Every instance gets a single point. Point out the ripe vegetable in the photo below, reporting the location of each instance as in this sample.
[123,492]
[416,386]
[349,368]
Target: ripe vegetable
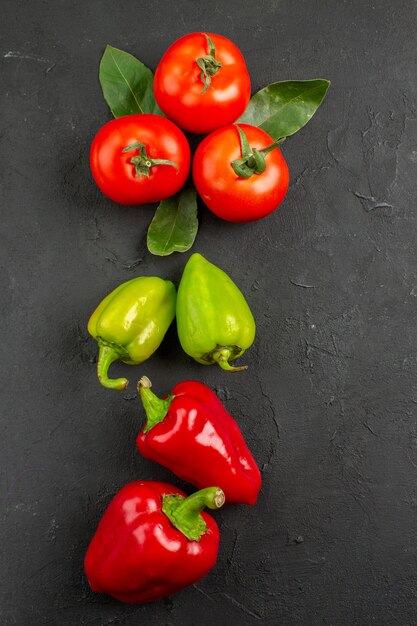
[152,541]
[130,323]
[214,322]
[202,82]
[193,435]
[137,159]
[240,173]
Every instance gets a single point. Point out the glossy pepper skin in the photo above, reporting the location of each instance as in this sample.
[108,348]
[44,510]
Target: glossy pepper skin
[193,435]
[152,541]
[214,322]
[130,323]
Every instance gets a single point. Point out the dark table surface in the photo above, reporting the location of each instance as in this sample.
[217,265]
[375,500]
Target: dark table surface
[328,404]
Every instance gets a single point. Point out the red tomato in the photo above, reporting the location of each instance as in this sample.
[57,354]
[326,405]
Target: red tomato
[117,176]
[180,91]
[228,196]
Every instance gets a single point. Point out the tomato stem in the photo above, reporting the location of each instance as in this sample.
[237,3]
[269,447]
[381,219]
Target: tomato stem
[253,160]
[208,64]
[143,162]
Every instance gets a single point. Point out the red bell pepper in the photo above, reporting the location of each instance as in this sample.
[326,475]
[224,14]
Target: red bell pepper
[152,541]
[193,435]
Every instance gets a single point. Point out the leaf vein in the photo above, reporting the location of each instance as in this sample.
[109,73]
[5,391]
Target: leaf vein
[172,229]
[288,102]
[126,81]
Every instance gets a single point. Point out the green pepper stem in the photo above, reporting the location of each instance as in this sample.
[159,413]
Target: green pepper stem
[222,356]
[106,356]
[185,513]
[155,408]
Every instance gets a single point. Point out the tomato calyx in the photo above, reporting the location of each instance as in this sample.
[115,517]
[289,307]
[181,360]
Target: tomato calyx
[253,160]
[208,64]
[142,162]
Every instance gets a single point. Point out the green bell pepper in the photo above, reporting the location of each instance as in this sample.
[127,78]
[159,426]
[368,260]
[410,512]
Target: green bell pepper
[130,323]
[214,322]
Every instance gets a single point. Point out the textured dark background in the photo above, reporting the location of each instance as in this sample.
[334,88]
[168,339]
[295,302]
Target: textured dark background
[328,405]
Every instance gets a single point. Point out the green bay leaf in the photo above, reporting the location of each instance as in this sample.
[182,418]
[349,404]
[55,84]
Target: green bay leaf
[127,83]
[174,225]
[282,108]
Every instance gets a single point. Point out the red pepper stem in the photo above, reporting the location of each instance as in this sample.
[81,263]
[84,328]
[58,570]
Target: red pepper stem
[222,356]
[185,513]
[106,356]
[155,408]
